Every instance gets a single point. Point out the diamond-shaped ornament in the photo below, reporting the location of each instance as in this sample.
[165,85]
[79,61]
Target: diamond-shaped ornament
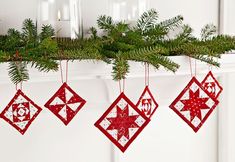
[212,85]
[194,104]
[146,103]
[20,112]
[65,103]
[122,122]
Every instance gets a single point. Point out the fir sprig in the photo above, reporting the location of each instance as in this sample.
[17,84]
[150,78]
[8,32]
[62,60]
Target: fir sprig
[148,41]
[147,20]
[18,71]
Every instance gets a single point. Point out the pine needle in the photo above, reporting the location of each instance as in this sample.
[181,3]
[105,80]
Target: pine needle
[18,72]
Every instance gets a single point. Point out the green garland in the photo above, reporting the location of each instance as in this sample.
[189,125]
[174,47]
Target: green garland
[147,41]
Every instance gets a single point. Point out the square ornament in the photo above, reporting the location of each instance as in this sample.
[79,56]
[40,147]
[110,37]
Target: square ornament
[65,103]
[212,86]
[146,103]
[20,112]
[194,104]
[122,122]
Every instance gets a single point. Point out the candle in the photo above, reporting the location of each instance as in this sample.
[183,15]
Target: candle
[59,15]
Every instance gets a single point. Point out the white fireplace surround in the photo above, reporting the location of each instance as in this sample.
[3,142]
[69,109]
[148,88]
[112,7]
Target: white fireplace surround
[166,133]
[166,139]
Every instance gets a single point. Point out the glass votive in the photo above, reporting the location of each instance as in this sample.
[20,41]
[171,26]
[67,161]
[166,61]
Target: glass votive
[64,16]
[128,10]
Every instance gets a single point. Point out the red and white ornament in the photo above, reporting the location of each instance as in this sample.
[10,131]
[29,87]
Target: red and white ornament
[65,103]
[122,122]
[194,104]
[20,112]
[212,85]
[146,103]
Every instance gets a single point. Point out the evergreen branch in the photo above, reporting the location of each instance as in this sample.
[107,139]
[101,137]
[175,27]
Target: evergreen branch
[13,40]
[68,44]
[18,71]
[29,34]
[47,47]
[47,32]
[82,55]
[190,49]
[165,62]
[2,41]
[208,31]
[105,22]
[186,34]
[172,23]
[152,55]
[93,32]
[45,65]
[147,20]
[148,42]
[120,68]
[206,59]
[220,44]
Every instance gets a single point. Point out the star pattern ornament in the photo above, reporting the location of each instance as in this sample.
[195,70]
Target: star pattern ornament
[194,104]
[20,112]
[212,85]
[122,122]
[146,103]
[65,103]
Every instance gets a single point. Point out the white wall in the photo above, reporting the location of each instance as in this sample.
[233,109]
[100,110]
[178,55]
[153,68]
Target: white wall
[227,17]
[167,138]
[12,13]
[196,13]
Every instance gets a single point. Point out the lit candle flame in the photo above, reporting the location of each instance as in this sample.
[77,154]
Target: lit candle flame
[59,15]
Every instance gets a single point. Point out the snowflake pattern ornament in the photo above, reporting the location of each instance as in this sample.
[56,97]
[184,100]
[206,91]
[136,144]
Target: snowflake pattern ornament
[65,103]
[212,85]
[146,103]
[194,104]
[122,122]
[20,112]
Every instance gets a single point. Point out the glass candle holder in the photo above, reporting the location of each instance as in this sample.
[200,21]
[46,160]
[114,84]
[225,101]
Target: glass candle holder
[1,27]
[63,15]
[128,10]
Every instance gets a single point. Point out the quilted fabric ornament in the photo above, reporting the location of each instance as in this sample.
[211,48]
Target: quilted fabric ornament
[194,104]
[146,103]
[65,103]
[122,122]
[212,85]
[20,112]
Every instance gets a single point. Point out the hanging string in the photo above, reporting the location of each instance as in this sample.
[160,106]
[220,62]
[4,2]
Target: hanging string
[121,86]
[61,73]
[66,72]
[18,56]
[67,67]
[20,87]
[195,70]
[210,66]
[146,73]
[190,64]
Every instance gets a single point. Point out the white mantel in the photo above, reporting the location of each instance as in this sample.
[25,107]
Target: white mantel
[166,134]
